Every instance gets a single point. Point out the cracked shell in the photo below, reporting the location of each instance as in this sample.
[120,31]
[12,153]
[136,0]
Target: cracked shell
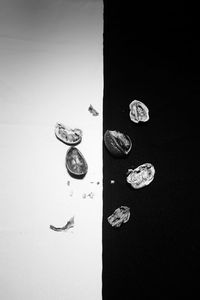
[76,163]
[117,143]
[141,176]
[67,135]
[139,112]
[119,216]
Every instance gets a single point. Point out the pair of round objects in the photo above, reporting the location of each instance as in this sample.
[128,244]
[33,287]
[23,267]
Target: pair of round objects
[143,174]
[120,144]
[137,178]
[74,161]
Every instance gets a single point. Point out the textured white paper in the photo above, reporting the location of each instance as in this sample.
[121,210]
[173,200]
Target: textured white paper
[51,70]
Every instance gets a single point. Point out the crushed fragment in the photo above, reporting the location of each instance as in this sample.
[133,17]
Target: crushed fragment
[93,111]
[69,225]
[139,112]
[119,216]
[141,176]
[68,135]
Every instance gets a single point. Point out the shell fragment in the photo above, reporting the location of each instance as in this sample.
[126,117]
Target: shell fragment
[141,176]
[139,112]
[67,135]
[93,111]
[70,224]
[119,216]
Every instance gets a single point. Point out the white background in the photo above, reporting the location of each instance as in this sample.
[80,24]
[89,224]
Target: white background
[51,70]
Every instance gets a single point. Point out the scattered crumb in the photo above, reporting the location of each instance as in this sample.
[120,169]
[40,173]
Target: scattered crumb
[112,181]
[71,193]
[98,182]
[91,195]
[68,183]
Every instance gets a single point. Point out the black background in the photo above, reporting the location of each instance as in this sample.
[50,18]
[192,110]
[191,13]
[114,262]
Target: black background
[150,54]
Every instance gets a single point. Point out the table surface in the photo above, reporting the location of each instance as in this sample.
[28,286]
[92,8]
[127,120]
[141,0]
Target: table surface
[51,71]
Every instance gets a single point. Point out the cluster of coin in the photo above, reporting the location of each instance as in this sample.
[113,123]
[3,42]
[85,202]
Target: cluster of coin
[120,145]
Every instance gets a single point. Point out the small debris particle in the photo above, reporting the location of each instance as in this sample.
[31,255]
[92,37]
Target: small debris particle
[91,195]
[93,111]
[69,225]
[71,193]
[112,181]
[68,183]
[98,182]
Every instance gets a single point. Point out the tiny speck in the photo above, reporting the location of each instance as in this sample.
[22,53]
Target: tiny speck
[112,181]
[91,195]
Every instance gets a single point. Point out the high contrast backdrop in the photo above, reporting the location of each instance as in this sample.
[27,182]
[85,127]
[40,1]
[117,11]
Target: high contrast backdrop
[150,54]
[51,70]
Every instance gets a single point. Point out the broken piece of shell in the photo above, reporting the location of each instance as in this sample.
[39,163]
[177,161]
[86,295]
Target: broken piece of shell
[76,163]
[119,216]
[67,135]
[139,112]
[93,111]
[69,225]
[141,176]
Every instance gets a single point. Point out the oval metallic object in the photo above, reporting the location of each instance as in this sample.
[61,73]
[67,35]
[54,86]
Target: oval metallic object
[117,143]
[141,176]
[119,216]
[76,163]
[139,112]
[67,135]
